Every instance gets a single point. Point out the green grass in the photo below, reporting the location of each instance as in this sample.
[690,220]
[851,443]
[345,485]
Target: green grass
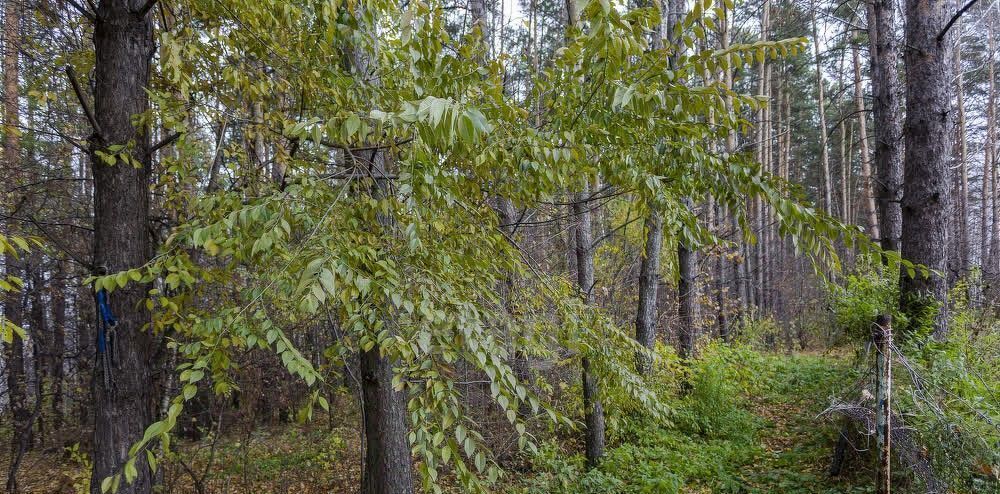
[747,425]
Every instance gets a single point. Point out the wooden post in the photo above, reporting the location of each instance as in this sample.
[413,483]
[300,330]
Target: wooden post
[882,337]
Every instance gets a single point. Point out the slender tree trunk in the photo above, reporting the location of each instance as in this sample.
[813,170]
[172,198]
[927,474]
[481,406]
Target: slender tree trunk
[989,151]
[993,261]
[649,280]
[821,105]
[57,348]
[739,263]
[687,307]
[593,410]
[845,211]
[927,176]
[584,253]
[867,180]
[123,42]
[687,260]
[963,246]
[888,155]
[989,156]
[40,344]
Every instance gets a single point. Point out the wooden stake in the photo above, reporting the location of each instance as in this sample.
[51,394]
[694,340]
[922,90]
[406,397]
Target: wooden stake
[882,337]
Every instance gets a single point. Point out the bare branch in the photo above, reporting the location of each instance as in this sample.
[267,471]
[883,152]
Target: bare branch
[165,142]
[146,8]
[954,19]
[82,10]
[83,101]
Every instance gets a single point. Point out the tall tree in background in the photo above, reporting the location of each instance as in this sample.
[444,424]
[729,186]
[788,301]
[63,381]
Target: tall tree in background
[824,156]
[123,49]
[926,176]
[867,180]
[989,152]
[962,244]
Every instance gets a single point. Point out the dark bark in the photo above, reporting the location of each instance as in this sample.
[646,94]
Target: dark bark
[592,408]
[649,282]
[687,259]
[687,295]
[41,343]
[649,267]
[57,347]
[13,301]
[388,467]
[123,43]
[927,198]
[888,152]
[16,385]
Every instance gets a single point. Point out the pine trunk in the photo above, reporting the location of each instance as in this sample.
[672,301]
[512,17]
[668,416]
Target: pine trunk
[888,155]
[927,175]
[123,42]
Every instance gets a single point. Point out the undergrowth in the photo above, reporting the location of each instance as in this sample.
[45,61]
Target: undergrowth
[745,422]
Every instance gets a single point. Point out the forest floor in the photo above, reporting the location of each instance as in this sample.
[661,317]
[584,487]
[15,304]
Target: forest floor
[767,441]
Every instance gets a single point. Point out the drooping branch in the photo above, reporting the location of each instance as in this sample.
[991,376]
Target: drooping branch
[954,19]
[71,74]
[82,10]
[146,8]
[165,142]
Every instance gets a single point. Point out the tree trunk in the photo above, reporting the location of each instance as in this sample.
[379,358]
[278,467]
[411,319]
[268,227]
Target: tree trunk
[584,253]
[988,252]
[57,348]
[867,180]
[13,301]
[988,158]
[649,281]
[927,195]
[963,246]
[592,408]
[40,344]
[649,267]
[739,267]
[821,104]
[123,42]
[388,467]
[888,156]
[687,296]
[687,293]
